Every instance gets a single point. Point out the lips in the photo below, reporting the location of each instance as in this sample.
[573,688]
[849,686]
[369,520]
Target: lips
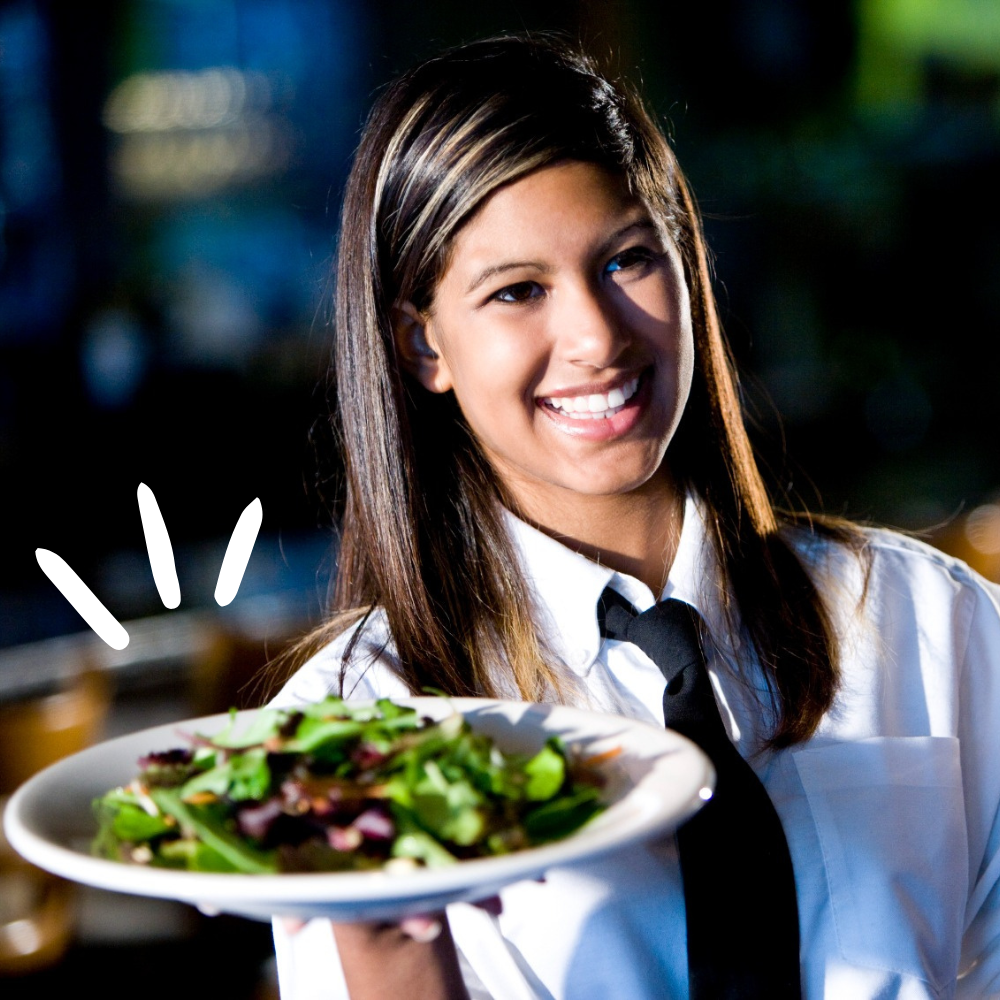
[594,405]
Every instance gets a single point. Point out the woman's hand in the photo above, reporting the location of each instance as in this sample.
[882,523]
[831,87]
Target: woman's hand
[415,957]
[417,954]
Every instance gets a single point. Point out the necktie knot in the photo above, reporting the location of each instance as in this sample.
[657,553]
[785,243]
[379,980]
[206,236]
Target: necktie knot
[667,633]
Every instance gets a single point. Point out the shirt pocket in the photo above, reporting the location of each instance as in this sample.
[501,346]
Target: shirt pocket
[890,817]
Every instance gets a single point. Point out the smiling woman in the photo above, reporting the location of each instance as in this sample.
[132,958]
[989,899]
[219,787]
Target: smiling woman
[468,149]
[551,495]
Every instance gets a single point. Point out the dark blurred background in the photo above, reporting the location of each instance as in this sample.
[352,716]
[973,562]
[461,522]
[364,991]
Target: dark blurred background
[170,176]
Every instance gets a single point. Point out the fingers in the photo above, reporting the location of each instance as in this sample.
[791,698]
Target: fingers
[423,929]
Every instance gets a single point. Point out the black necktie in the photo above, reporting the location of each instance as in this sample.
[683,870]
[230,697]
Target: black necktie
[739,887]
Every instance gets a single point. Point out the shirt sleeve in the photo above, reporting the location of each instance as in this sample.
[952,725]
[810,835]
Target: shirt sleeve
[371,672]
[979,732]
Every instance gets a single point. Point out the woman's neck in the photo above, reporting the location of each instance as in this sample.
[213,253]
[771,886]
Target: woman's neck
[635,533]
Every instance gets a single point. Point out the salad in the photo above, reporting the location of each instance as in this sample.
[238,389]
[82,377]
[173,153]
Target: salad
[341,787]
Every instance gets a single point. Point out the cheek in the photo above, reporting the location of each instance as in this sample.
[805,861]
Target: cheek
[495,366]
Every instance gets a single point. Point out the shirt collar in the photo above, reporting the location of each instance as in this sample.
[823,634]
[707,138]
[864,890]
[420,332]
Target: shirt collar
[567,585]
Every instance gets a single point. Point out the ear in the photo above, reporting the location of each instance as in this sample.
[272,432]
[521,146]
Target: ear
[417,349]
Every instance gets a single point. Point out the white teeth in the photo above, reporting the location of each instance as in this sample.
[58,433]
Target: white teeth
[597,405]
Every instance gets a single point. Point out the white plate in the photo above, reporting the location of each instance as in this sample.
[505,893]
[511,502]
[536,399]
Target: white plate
[654,784]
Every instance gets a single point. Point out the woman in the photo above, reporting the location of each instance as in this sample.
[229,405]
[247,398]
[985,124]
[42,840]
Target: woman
[536,403]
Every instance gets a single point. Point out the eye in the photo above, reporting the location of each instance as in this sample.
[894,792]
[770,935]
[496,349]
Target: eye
[633,257]
[523,291]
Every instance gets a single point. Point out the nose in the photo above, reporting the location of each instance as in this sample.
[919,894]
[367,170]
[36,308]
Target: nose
[592,332]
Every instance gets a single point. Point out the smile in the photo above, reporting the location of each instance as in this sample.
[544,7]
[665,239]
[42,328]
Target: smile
[594,406]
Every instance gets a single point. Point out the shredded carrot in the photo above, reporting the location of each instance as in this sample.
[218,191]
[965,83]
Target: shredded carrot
[600,758]
[201,798]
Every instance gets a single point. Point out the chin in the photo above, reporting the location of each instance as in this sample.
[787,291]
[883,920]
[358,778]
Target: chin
[613,484]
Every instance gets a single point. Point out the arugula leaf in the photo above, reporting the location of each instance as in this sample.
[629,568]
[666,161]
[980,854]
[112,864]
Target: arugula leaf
[250,775]
[243,776]
[546,772]
[134,824]
[212,831]
[449,809]
[265,725]
[422,847]
[186,852]
[314,732]
[560,817]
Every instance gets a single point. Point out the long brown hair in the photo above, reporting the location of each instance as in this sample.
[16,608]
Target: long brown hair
[422,534]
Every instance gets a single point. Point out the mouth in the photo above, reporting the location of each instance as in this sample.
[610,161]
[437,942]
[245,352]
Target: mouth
[595,405]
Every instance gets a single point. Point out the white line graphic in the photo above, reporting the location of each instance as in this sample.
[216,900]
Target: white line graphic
[161,561]
[237,556]
[161,554]
[83,599]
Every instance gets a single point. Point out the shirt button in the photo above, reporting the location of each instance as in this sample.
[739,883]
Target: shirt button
[579,658]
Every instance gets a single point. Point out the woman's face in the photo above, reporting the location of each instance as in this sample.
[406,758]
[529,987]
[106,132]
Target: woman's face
[562,324]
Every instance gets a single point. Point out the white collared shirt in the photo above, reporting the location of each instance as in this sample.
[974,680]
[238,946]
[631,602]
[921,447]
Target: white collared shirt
[890,810]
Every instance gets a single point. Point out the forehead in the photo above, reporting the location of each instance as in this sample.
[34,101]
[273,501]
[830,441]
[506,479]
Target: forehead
[564,208]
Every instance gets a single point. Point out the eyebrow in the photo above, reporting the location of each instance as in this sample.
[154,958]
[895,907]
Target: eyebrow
[493,270]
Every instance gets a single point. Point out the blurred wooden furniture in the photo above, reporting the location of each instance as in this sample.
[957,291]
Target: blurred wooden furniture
[36,909]
[176,666]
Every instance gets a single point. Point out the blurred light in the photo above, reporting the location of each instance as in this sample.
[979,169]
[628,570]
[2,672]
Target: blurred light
[163,102]
[114,358]
[899,39]
[22,937]
[188,134]
[182,163]
[214,318]
[29,163]
[982,529]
